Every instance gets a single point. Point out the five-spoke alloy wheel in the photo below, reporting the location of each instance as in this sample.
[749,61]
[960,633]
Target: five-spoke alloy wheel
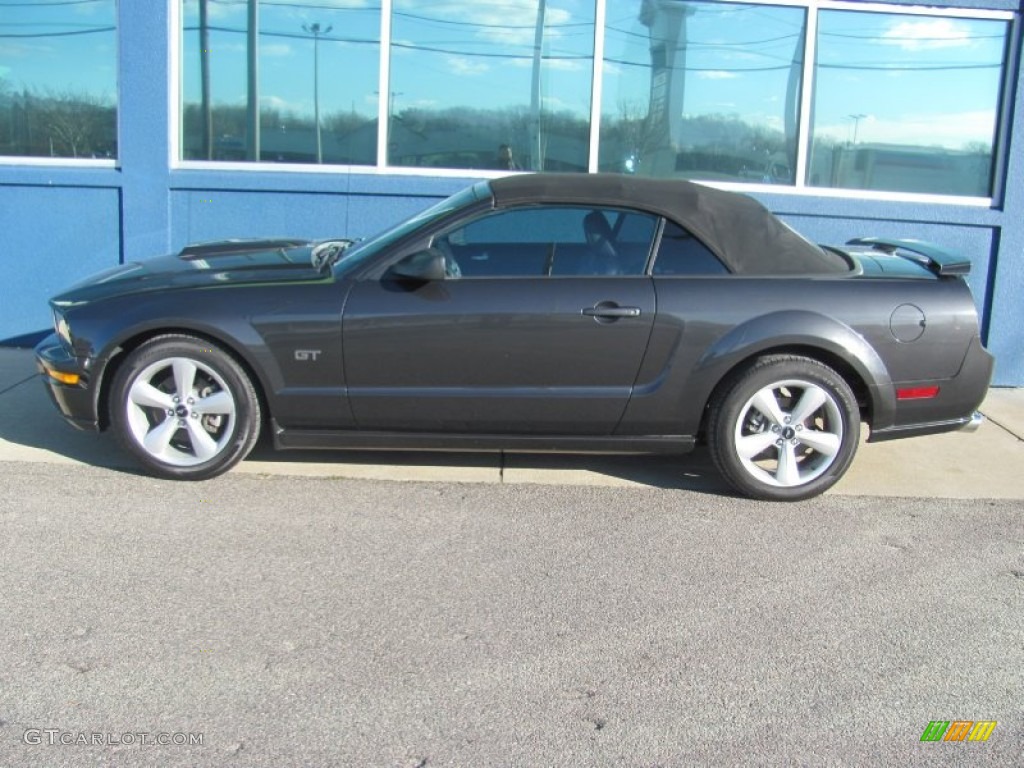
[785,428]
[184,407]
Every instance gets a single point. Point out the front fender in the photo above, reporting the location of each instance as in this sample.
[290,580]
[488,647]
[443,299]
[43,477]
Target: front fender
[104,330]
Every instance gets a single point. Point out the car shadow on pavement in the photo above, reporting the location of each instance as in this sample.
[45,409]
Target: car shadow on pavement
[686,472]
[32,430]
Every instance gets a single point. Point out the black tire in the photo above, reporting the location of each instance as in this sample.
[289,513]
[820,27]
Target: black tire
[184,408]
[807,439]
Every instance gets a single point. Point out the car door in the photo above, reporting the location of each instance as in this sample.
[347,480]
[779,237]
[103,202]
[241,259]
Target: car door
[540,329]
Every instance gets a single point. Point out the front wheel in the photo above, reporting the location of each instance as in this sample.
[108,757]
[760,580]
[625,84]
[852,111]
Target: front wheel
[184,408]
[784,429]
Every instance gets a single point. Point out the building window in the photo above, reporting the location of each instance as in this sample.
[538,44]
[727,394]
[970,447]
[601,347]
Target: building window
[906,103]
[491,84]
[810,94]
[58,80]
[702,90]
[308,70]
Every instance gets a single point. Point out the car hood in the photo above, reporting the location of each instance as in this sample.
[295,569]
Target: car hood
[202,266]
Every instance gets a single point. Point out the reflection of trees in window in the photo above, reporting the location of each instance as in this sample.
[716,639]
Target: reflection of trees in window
[39,122]
[729,146]
[709,146]
[286,136]
[906,168]
[464,137]
[59,67]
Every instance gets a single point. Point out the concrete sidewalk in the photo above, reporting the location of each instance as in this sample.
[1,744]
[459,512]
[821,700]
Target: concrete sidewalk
[986,464]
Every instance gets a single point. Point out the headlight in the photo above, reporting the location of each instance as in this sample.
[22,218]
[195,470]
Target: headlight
[61,326]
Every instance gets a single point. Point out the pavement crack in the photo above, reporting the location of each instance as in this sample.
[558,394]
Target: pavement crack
[987,417]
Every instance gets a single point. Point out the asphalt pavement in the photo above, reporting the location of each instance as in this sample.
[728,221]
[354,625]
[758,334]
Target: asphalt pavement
[311,621]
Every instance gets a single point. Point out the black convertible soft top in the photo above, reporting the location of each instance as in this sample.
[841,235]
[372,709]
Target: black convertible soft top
[745,235]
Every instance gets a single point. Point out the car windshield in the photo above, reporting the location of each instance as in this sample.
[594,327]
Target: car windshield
[360,252]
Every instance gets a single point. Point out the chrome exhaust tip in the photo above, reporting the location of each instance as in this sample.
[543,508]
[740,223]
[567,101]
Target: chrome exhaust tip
[976,420]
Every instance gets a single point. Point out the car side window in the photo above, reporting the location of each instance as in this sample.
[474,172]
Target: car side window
[680,253]
[551,241]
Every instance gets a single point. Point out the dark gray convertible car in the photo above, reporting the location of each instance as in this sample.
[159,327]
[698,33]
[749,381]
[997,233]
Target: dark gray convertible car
[531,313]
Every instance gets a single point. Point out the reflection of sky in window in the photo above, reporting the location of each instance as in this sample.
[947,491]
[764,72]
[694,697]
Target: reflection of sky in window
[444,54]
[60,49]
[349,54]
[481,54]
[908,79]
[738,60]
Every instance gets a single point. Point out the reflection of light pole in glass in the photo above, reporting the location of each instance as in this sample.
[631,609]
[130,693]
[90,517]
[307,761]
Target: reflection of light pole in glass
[252,100]
[391,101]
[536,134]
[669,46]
[856,122]
[204,78]
[316,31]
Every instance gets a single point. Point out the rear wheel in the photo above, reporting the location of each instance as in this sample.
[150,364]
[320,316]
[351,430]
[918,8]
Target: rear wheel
[784,429]
[184,408]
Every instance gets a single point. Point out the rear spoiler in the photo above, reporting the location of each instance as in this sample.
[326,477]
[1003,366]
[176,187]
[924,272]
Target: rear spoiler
[936,258]
[228,247]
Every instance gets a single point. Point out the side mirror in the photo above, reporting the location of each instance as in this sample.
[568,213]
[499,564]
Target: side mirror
[426,266]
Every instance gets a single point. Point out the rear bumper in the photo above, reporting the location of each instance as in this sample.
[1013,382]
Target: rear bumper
[967,424]
[76,402]
[955,408]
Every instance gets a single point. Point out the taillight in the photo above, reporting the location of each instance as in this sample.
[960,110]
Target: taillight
[917,393]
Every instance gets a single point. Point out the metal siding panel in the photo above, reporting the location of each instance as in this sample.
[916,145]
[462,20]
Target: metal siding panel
[53,236]
[144,125]
[202,215]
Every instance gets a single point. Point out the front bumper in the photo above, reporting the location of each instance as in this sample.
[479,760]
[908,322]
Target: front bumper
[76,402]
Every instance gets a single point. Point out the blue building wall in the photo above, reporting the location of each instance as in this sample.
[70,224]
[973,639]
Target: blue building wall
[62,223]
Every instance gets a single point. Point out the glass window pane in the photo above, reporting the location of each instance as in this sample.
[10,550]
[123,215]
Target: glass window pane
[316,60]
[58,79]
[492,84]
[559,240]
[906,103]
[680,253]
[702,90]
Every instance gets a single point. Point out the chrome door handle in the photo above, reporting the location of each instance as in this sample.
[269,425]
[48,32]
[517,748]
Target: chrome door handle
[602,310]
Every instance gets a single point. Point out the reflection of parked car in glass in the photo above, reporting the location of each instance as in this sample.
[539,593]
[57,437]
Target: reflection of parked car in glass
[534,312]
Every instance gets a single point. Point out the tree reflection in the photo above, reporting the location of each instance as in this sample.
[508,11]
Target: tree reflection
[42,122]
